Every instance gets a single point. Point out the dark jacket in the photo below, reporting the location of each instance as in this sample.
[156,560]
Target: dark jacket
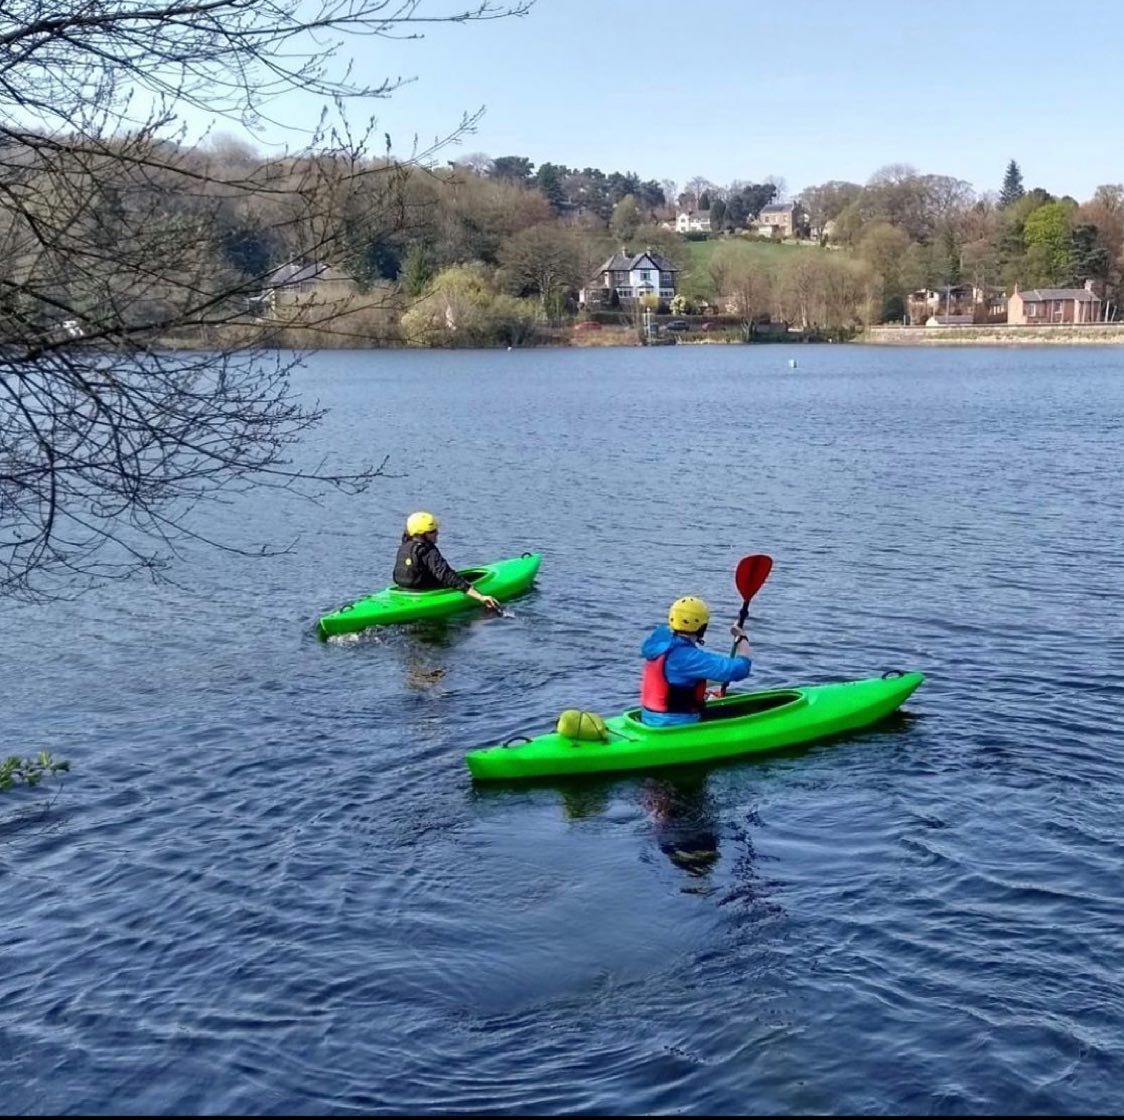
[420,566]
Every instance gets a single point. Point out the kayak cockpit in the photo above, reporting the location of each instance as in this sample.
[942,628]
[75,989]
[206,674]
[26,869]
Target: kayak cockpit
[752,704]
[731,707]
[471,574]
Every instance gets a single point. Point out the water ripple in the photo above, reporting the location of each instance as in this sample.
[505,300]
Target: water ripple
[268,886]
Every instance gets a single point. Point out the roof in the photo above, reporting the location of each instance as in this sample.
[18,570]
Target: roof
[1082,295]
[955,290]
[623,262]
[778,208]
[293,273]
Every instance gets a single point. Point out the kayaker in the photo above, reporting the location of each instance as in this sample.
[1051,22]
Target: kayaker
[420,566]
[676,669]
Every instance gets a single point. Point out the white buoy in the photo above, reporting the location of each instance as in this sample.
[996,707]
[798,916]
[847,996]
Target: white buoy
[792,362]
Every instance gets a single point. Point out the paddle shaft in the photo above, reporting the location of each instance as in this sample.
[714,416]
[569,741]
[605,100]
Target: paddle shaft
[742,615]
[751,573]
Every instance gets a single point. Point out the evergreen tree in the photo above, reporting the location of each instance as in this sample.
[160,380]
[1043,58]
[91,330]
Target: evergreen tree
[1090,259]
[1012,185]
[417,270]
[548,179]
[514,169]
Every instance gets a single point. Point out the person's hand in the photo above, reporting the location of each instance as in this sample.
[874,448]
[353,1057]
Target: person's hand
[490,601]
[737,632]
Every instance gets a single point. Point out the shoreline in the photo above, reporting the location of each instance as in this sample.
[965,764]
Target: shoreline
[999,334]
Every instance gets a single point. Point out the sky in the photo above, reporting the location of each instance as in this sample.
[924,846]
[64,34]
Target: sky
[738,89]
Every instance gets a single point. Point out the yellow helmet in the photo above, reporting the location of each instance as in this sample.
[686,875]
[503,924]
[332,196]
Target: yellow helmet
[689,615]
[420,522]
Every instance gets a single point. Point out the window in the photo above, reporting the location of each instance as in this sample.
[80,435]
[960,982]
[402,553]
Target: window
[646,276]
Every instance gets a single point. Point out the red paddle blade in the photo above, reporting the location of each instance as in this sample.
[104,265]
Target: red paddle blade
[751,573]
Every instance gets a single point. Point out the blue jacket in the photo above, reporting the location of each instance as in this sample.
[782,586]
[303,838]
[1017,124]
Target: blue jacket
[687,663]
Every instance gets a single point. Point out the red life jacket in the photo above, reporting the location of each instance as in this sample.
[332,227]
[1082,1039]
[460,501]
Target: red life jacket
[657,694]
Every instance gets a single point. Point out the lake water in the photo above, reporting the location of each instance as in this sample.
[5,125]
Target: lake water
[269,886]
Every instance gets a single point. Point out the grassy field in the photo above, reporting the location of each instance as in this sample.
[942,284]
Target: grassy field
[701,251]
[696,284]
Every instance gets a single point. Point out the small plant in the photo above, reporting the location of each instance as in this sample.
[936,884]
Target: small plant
[29,770]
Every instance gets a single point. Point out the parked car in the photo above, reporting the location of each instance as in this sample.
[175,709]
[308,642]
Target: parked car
[678,325]
[587,325]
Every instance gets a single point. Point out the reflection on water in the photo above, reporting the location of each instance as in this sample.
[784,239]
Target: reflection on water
[585,800]
[682,814]
[683,817]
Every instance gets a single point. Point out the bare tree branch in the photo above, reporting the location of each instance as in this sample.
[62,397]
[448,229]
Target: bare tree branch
[137,376]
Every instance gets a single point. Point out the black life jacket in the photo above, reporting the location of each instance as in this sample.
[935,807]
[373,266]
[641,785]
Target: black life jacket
[409,565]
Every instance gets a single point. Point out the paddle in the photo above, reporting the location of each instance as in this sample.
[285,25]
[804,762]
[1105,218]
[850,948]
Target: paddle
[749,575]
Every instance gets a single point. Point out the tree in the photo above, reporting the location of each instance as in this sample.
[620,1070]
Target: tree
[626,219]
[544,261]
[588,190]
[133,379]
[1012,189]
[666,242]
[718,215]
[742,282]
[922,205]
[1105,212]
[820,289]
[1049,245]
[885,248]
[651,196]
[1089,257]
[826,202]
[513,169]
[417,270]
[462,308]
[744,204]
[704,201]
[696,187]
[548,179]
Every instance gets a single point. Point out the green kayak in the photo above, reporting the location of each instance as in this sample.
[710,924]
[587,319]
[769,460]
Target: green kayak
[738,724]
[504,579]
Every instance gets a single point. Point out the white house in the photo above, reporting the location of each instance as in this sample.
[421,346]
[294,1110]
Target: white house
[294,284]
[693,221]
[631,276]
